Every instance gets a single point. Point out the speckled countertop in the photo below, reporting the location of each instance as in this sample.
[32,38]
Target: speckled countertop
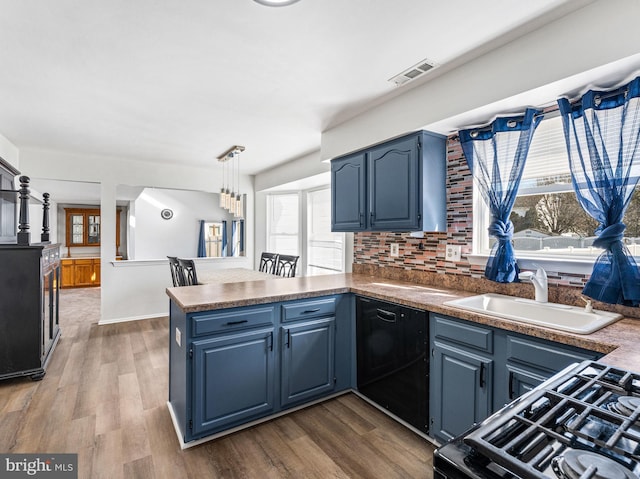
[619,341]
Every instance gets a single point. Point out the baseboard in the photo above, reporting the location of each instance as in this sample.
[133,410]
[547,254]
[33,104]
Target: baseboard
[133,318]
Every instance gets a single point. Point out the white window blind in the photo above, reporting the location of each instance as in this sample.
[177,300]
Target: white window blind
[283,223]
[325,250]
[547,165]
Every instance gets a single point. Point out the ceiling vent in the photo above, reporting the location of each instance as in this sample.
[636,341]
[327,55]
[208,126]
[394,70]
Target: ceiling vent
[414,72]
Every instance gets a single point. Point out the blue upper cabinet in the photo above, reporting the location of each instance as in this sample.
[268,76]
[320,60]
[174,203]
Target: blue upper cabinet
[349,193]
[398,185]
[393,185]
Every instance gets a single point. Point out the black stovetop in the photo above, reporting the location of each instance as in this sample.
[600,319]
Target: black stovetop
[586,418]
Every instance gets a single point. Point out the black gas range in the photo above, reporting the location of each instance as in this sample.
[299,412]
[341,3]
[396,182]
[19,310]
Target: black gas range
[583,423]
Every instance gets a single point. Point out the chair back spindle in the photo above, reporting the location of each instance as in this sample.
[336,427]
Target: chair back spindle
[287,265]
[176,271]
[189,271]
[268,263]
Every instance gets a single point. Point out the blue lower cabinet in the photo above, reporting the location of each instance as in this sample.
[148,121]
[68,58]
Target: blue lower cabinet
[307,360]
[477,369]
[234,379]
[229,367]
[461,390]
[520,381]
[530,361]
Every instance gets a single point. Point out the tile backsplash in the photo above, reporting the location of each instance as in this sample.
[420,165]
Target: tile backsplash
[423,259]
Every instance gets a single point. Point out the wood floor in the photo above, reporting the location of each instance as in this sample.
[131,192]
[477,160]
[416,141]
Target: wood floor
[104,398]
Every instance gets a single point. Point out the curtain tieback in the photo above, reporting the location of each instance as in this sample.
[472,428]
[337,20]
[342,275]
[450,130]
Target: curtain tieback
[501,230]
[610,235]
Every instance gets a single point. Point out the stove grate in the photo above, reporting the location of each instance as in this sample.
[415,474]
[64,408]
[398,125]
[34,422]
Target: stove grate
[571,412]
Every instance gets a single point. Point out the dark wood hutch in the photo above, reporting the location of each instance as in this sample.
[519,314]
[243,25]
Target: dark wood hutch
[29,284]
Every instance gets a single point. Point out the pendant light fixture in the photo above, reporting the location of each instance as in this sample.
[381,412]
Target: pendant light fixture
[223,191]
[230,197]
[238,204]
[227,195]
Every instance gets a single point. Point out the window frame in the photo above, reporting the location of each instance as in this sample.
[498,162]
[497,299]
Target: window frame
[308,224]
[268,225]
[303,227]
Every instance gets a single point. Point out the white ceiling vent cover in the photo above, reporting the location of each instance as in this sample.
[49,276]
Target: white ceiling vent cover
[415,71]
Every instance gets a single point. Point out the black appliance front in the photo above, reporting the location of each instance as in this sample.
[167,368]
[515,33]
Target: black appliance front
[457,460]
[392,344]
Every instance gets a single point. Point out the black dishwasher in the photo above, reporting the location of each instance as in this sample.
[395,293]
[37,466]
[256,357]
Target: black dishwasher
[392,345]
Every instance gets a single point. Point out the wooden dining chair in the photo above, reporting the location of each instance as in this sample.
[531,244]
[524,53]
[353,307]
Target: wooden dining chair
[268,262]
[176,271]
[188,272]
[287,265]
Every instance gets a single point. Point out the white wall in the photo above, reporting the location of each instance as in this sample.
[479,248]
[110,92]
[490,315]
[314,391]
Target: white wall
[9,152]
[602,32]
[133,291]
[156,237]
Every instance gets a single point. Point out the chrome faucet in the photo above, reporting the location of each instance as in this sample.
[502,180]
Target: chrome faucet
[539,281]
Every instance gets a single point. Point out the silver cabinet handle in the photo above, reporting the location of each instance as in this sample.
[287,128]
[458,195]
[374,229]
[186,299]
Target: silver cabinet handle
[386,316]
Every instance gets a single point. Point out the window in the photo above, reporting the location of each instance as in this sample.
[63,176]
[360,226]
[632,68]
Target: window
[299,223]
[282,225]
[213,239]
[547,218]
[325,250]
[83,227]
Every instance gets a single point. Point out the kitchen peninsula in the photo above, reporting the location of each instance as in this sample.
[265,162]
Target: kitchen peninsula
[247,338]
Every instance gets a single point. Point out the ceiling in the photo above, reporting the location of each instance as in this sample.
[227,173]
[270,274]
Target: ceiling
[180,81]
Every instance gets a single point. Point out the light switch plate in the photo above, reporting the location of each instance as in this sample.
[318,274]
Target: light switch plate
[453,252]
[395,250]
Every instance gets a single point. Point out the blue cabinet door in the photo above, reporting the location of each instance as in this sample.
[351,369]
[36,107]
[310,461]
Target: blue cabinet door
[521,381]
[233,378]
[461,390]
[348,193]
[398,185]
[530,361]
[394,185]
[308,360]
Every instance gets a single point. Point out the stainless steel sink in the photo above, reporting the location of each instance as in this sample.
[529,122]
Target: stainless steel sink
[551,315]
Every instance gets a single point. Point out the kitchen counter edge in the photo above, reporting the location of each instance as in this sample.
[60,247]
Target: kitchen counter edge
[617,341]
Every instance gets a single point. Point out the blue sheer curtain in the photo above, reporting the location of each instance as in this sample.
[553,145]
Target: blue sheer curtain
[224,237]
[202,247]
[496,156]
[241,236]
[602,132]
[234,238]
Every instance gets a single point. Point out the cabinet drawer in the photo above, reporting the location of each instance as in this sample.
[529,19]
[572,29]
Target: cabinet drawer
[309,309]
[231,320]
[543,355]
[83,261]
[463,333]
